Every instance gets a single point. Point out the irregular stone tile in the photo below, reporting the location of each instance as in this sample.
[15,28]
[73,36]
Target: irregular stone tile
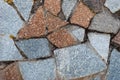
[8,50]
[113,5]
[34,48]
[111,24]
[101,43]
[78,61]
[67,7]
[24,7]
[61,38]
[36,27]
[53,6]
[114,67]
[38,70]
[10,22]
[116,39]
[82,15]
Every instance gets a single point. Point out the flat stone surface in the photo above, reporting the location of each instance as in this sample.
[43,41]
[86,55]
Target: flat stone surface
[114,67]
[116,39]
[111,24]
[43,70]
[82,15]
[53,6]
[24,7]
[34,48]
[78,61]
[113,5]
[67,7]
[101,43]
[61,38]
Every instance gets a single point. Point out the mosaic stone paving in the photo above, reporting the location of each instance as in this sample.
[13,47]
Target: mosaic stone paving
[59,39]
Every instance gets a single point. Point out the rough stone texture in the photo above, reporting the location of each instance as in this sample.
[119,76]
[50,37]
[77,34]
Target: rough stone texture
[61,38]
[114,67]
[38,70]
[82,15]
[36,27]
[24,7]
[101,43]
[53,6]
[113,5]
[111,24]
[116,39]
[34,48]
[78,61]
[54,22]
[67,7]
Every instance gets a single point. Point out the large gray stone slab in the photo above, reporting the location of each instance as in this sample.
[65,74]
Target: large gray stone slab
[67,7]
[100,42]
[114,67]
[105,22]
[34,48]
[78,61]
[113,5]
[38,70]
[24,7]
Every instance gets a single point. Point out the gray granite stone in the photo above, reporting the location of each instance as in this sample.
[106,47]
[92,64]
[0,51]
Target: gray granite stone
[78,61]
[34,48]
[24,7]
[105,22]
[38,70]
[113,5]
[114,67]
[100,42]
[67,7]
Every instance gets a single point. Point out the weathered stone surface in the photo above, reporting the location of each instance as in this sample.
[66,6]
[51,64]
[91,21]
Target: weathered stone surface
[38,70]
[61,38]
[100,42]
[113,5]
[36,27]
[116,39]
[24,7]
[111,24]
[78,61]
[53,6]
[34,48]
[82,15]
[114,67]
[67,7]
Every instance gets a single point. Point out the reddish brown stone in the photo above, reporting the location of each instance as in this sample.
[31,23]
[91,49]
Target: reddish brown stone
[61,38]
[36,27]
[116,39]
[54,6]
[82,15]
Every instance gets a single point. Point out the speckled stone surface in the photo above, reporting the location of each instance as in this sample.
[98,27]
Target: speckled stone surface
[116,39]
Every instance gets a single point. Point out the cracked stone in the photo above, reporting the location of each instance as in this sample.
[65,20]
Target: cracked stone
[34,48]
[113,5]
[24,7]
[68,6]
[111,24]
[78,61]
[82,15]
[116,39]
[53,6]
[100,42]
[44,70]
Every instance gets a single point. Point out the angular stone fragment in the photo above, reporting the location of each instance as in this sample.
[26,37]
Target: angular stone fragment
[61,38]
[113,5]
[114,67]
[101,43]
[24,7]
[53,6]
[38,70]
[67,7]
[78,61]
[34,48]
[82,15]
[111,24]
[36,27]
[116,39]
